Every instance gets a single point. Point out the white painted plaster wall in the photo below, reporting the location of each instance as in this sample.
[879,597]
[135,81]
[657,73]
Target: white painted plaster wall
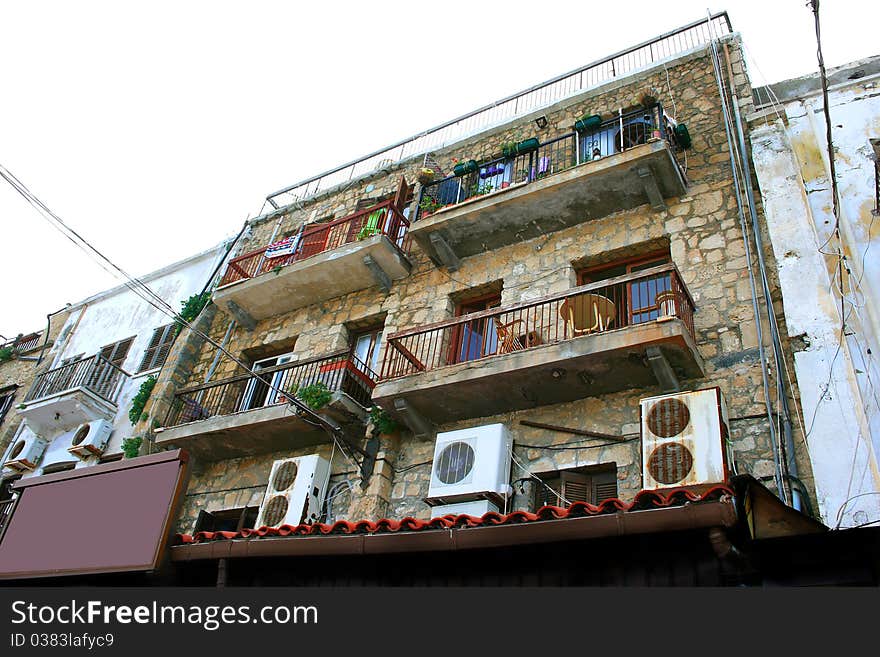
[837,375]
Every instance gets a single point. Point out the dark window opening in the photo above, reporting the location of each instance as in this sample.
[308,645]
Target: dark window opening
[478,337]
[58,467]
[227,520]
[6,398]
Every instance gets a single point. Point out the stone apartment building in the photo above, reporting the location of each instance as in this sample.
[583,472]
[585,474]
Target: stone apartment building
[509,302]
[455,316]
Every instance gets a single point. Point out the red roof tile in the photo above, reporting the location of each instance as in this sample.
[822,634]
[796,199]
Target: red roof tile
[643,500]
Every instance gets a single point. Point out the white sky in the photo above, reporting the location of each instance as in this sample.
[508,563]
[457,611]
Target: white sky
[155,129]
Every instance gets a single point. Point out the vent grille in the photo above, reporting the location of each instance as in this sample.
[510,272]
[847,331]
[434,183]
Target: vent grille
[81,434]
[275,511]
[668,418]
[455,463]
[670,463]
[284,477]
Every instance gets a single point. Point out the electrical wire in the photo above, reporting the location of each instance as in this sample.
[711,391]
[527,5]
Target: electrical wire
[532,475]
[143,291]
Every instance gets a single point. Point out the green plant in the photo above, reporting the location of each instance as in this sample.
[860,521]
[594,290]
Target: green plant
[20,406]
[192,307]
[277,269]
[382,421]
[131,446]
[315,395]
[429,205]
[136,412]
[6,353]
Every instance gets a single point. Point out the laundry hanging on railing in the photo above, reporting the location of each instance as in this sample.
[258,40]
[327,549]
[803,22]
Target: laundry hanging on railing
[284,247]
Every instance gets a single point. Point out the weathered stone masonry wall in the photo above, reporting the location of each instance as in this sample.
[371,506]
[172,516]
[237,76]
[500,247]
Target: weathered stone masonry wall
[703,235]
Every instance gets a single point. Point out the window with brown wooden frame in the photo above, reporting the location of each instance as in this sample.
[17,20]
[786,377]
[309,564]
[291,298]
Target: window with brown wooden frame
[477,338]
[158,348]
[589,484]
[636,302]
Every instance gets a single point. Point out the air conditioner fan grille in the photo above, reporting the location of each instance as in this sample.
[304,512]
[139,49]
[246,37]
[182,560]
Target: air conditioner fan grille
[668,417]
[670,463]
[284,477]
[275,511]
[455,463]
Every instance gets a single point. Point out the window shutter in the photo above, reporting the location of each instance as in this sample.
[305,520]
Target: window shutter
[576,487]
[157,350]
[117,351]
[548,497]
[604,486]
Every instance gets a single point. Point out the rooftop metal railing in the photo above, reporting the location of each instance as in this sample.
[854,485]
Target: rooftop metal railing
[606,305]
[622,63]
[94,373]
[613,135]
[339,371]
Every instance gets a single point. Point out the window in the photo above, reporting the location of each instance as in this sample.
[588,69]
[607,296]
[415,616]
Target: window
[635,302]
[365,346]
[257,393]
[59,467]
[476,338]
[6,397]
[226,520]
[157,350]
[116,352]
[590,484]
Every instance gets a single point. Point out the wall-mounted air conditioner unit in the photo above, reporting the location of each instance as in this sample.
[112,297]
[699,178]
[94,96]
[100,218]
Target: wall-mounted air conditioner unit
[90,439]
[685,439]
[295,493]
[471,464]
[25,452]
[476,508]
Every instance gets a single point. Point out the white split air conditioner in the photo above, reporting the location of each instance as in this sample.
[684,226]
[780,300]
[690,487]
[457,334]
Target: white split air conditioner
[685,439]
[477,508]
[295,493]
[90,439]
[470,464]
[25,452]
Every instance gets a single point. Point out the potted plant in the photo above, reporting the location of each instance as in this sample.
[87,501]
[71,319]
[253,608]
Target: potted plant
[425,176]
[527,146]
[588,123]
[508,149]
[464,168]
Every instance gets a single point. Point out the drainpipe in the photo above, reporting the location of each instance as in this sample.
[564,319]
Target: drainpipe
[791,464]
[780,487]
[48,327]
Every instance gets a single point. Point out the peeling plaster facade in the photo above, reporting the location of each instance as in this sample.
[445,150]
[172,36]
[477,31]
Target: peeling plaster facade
[103,319]
[837,375]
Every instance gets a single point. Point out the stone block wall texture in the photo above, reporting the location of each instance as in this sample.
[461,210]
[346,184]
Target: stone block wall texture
[21,371]
[701,231]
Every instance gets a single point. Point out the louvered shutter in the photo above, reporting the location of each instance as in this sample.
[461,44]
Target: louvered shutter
[117,351]
[576,487]
[604,486]
[157,350]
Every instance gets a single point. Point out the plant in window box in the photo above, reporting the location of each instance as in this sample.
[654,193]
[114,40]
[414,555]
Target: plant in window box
[429,205]
[464,168]
[315,395]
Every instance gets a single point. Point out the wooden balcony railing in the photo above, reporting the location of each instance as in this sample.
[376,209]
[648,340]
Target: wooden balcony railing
[94,373]
[341,371]
[606,305]
[385,218]
[614,135]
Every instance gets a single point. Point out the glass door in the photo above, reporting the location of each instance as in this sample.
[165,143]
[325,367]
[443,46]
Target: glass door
[257,393]
[476,338]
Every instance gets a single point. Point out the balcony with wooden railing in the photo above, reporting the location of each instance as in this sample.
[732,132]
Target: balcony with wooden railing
[625,332]
[250,414]
[623,162]
[325,260]
[77,392]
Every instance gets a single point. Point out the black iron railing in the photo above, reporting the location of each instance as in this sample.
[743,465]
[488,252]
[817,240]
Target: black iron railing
[94,373]
[614,135]
[341,371]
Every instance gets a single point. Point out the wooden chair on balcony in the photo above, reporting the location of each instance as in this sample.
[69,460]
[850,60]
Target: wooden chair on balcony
[508,338]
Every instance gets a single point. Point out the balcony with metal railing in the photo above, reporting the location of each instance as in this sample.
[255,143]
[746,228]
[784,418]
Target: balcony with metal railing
[244,414]
[620,163]
[74,393]
[323,261]
[625,332]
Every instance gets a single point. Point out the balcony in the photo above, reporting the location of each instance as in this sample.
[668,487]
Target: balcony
[326,260]
[624,163]
[631,331]
[72,394]
[245,415]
